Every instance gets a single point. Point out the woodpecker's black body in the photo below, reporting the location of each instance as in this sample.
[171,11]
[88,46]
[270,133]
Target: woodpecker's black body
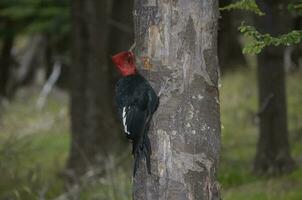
[136,101]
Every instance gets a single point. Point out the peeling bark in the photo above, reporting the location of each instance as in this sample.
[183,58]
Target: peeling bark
[180,38]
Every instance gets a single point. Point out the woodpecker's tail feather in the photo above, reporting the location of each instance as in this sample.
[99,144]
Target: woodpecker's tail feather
[140,150]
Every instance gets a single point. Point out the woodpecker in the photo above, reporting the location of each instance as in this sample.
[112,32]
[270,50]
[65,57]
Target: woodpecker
[136,102]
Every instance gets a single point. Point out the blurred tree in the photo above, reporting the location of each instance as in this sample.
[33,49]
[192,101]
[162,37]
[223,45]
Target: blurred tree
[121,26]
[229,47]
[121,32]
[121,37]
[293,54]
[177,42]
[6,59]
[31,17]
[94,130]
[273,152]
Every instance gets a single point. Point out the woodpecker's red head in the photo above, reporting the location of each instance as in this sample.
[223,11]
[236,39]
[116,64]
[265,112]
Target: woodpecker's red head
[125,63]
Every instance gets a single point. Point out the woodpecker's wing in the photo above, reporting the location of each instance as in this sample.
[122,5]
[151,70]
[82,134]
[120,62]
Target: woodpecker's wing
[134,121]
[153,100]
[136,102]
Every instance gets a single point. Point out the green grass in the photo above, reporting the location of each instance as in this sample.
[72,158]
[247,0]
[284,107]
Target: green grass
[34,146]
[239,138]
[239,132]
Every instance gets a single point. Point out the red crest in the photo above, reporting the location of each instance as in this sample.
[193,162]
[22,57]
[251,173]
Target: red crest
[125,63]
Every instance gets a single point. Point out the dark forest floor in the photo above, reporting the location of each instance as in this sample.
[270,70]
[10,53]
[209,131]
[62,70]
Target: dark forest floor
[34,145]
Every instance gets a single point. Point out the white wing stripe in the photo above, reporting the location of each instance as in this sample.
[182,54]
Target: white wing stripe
[124,121]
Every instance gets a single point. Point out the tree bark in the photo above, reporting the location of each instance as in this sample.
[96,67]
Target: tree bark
[273,150]
[180,40]
[94,130]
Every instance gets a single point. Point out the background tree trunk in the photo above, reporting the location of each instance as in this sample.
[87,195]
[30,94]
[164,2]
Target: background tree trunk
[121,26]
[180,38]
[6,60]
[121,32]
[229,47]
[94,130]
[273,152]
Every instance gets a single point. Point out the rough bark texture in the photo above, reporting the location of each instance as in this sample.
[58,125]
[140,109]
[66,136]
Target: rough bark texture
[94,129]
[180,39]
[273,152]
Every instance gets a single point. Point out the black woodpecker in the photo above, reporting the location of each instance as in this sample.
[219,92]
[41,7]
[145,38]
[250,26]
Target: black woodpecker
[136,102]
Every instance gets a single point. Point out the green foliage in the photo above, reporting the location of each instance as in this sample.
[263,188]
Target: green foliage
[295,8]
[260,41]
[35,16]
[33,147]
[249,5]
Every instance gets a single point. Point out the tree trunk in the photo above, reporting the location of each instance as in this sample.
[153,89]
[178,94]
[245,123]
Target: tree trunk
[121,32]
[229,48]
[273,152]
[6,61]
[121,26]
[179,38]
[94,130]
